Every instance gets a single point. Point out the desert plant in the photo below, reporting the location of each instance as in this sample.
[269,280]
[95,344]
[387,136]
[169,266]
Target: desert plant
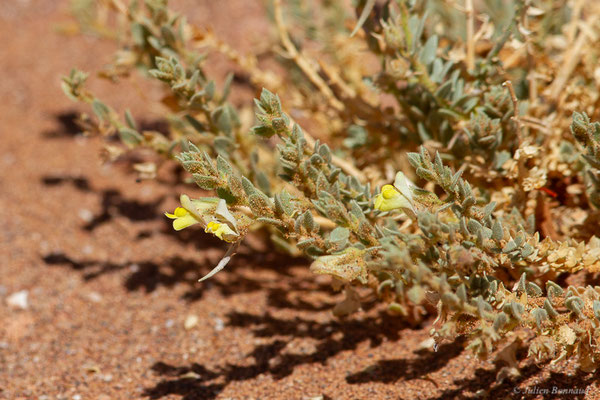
[490,190]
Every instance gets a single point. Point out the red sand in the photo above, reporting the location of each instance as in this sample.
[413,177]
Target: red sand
[110,285]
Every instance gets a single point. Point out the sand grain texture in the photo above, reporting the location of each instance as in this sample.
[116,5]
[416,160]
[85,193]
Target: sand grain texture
[110,286]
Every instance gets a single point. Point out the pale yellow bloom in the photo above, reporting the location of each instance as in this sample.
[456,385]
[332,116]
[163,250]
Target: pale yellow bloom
[212,213]
[191,212]
[395,196]
[222,231]
[182,218]
[221,222]
[390,199]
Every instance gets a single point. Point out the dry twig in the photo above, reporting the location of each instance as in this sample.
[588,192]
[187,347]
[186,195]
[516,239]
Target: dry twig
[302,62]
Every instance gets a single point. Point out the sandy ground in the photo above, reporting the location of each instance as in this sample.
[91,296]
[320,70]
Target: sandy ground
[110,286]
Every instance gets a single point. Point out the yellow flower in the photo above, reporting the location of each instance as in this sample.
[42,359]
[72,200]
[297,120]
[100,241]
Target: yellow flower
[395,196]
[390,199]
[191,211]
[221,222]
[182,218]
[222,231]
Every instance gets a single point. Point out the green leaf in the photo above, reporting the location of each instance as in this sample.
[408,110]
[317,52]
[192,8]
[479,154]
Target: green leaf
[549,309]
[533,289]
[223,167]
[248,186]
[428,51]
[223,145]
[226,118]
[540,316]
[101,110]
[206,182]
[500,321]
[227,87]
[414,159]
[130,137]
[596,307]
[357,137]
[197,125]
[339,234]
[553,289]
[260,205]
[130,120]
[363,16]
[510,246]
[309,222]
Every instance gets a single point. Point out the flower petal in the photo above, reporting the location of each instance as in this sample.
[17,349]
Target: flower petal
[186,202]
[222,231]
[391,199]
[205,205]
[222,212]
[180,212]
[403,185]
[183,222]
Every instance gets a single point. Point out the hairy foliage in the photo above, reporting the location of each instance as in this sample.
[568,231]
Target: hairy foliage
[467,111]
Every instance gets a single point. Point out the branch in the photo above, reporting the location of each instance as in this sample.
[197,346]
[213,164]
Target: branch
[470,29]
[302,62]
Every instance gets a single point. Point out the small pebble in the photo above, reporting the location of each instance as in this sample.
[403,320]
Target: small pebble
[76,397]
[95,297]
[19,300]
[169,323]
[427,344]
[190,322]
[87,249]
[219,324]
[86,215]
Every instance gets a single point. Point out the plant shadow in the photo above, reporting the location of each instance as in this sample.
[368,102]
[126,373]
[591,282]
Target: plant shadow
[148,275]
[556,385]
[332,337]
[113,203]
[390,371]
[67,125]
[484,383]
[188,382]
[79,182]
